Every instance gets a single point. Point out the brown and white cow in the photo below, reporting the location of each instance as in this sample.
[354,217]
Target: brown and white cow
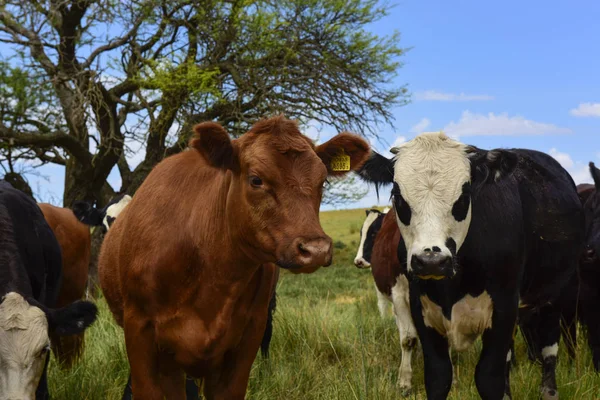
[380,249]
[188,267]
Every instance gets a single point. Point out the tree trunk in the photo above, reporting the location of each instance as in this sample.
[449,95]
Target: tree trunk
[93,284]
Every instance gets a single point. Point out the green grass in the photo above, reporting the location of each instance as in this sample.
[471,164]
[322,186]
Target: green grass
[329,343]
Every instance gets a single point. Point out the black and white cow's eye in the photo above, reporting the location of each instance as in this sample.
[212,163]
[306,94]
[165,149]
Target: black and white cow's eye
[402,208]
[255,181]
[461,206]
[43,351]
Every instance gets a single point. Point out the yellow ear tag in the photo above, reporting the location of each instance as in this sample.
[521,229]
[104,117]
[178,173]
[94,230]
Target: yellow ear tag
[341,162]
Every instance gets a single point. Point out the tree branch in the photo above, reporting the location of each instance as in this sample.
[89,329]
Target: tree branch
[42,140]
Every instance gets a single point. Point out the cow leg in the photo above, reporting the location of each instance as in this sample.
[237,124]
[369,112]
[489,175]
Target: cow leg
[569,333]
[383,303]
[127,395]
[529,331]
[191,389]
[549,334]
[438,367]
[408,333]
[266,340]
[143,360]
[590,319]
[492,371]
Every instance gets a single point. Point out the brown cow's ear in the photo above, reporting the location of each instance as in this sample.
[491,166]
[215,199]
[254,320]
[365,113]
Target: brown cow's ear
[214,143]
[343,153]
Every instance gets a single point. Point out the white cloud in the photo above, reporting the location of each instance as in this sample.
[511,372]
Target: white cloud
[563,158]
[586,110]
[471,124]
[579,171]
[421,126]
[399,140]
[432,95]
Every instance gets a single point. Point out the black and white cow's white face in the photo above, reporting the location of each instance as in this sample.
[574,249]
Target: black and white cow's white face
[25,340]
[432,196]
[433,180]
[369,230]
[591,210]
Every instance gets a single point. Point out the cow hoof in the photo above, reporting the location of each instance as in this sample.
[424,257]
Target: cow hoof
[549,394]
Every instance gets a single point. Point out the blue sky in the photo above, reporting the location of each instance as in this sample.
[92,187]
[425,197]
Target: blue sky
[502,74]
[494,74]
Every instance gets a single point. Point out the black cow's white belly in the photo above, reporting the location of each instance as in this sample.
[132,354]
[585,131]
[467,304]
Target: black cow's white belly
[469,318]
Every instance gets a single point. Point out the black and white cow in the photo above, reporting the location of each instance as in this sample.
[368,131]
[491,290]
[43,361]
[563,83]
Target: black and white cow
[103,217]
[589,269]
[368,231]
[484,231]
[29,284]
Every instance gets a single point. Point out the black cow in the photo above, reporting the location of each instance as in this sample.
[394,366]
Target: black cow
[589,269]
[29,284]
[484,231]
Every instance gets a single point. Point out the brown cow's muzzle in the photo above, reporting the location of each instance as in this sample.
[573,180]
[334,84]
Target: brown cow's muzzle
[303,253]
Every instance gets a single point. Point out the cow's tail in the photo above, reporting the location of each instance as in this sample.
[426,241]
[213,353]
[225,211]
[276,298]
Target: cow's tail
[67,349]
[87,214]
[266,340]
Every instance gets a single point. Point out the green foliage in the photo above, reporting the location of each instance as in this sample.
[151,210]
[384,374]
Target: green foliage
[329,342]
[166,76]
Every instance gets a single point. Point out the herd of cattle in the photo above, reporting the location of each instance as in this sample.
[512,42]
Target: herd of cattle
[475,244]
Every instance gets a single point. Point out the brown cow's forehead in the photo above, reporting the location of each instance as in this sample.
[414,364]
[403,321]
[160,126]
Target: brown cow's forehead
[293,162]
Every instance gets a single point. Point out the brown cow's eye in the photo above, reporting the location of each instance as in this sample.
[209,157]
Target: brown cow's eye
[255,181]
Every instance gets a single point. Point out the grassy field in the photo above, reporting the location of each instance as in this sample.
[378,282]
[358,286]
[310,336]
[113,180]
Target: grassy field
[329,343]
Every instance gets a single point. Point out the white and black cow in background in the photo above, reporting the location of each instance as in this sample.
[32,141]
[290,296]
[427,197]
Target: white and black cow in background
[103,217]
[30,278]
[484,231]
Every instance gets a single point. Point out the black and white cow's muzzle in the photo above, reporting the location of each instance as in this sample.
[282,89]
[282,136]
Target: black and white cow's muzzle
[432,265]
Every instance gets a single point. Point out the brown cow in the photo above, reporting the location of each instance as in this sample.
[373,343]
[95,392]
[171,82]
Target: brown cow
[74,240]
[188,267]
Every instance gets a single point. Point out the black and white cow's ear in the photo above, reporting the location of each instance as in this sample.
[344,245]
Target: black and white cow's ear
[491,166]
[215,145]
[72,319]
[378,170]
[595,175]
[87,213]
